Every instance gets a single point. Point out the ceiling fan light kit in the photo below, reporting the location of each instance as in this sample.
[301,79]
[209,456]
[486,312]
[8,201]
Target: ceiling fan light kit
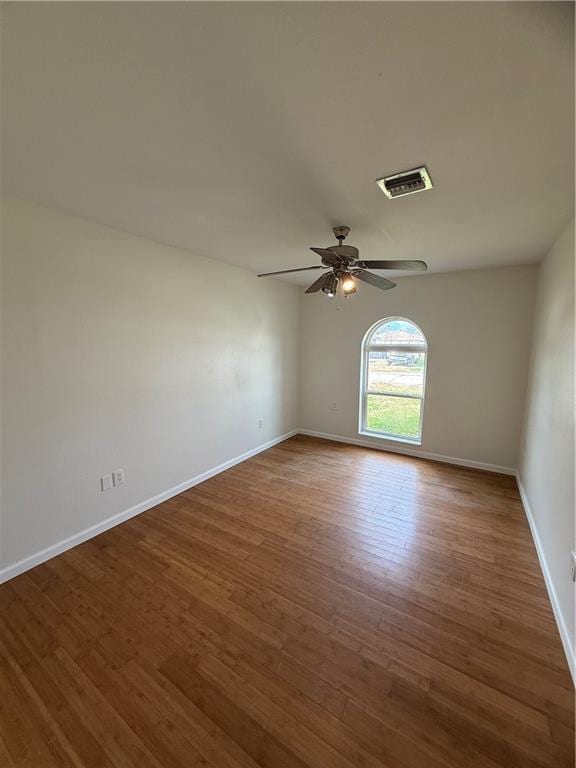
[331,285]
[348,284]
[346,268]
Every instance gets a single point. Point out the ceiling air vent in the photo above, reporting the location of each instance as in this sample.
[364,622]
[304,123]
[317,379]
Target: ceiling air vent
[405,183]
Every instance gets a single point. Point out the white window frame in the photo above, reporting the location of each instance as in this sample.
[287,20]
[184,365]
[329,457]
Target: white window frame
[367,347]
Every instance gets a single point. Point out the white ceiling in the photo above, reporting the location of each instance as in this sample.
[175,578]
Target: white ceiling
[245,131]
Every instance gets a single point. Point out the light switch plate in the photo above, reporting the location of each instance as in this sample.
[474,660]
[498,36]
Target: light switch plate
[106,483]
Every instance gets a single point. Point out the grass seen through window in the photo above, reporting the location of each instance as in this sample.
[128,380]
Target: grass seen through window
[393,415]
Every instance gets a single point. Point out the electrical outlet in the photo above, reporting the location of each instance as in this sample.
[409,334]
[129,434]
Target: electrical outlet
[333,405]
[573,566]
[106,483]
[118,477]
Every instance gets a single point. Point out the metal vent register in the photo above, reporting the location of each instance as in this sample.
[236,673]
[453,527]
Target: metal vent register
[405,183]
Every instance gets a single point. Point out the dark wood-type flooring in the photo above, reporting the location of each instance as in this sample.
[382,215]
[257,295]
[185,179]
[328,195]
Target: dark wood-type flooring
[319,605]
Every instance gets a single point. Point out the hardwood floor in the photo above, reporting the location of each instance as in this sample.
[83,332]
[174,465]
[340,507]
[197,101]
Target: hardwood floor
[318,605]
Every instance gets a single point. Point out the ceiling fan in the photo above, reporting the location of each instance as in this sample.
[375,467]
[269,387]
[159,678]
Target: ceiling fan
[346,268]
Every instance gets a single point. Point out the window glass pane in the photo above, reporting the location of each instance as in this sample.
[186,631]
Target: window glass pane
[396,372]
[397,332]
[398,416]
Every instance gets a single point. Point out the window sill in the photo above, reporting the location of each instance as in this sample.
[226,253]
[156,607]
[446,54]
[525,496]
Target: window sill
[391,438]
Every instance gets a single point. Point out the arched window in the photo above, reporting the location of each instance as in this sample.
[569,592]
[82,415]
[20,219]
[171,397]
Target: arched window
[393,380]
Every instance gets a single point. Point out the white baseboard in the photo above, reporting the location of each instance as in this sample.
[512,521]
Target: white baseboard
[405,449]
[56,549]
[560,622]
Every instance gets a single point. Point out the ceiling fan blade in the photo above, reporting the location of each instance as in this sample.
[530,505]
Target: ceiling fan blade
[328,255]
[318,284]
[407,264]
[285,271]
[375,280]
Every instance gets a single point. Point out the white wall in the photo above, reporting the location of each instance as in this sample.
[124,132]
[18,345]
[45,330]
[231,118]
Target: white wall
[478,326]
[546,469]
[120,352]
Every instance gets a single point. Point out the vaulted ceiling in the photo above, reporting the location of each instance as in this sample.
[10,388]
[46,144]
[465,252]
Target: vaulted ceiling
[245,131]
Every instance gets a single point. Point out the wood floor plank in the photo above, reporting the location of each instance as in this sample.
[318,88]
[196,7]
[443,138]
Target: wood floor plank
[317,605]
